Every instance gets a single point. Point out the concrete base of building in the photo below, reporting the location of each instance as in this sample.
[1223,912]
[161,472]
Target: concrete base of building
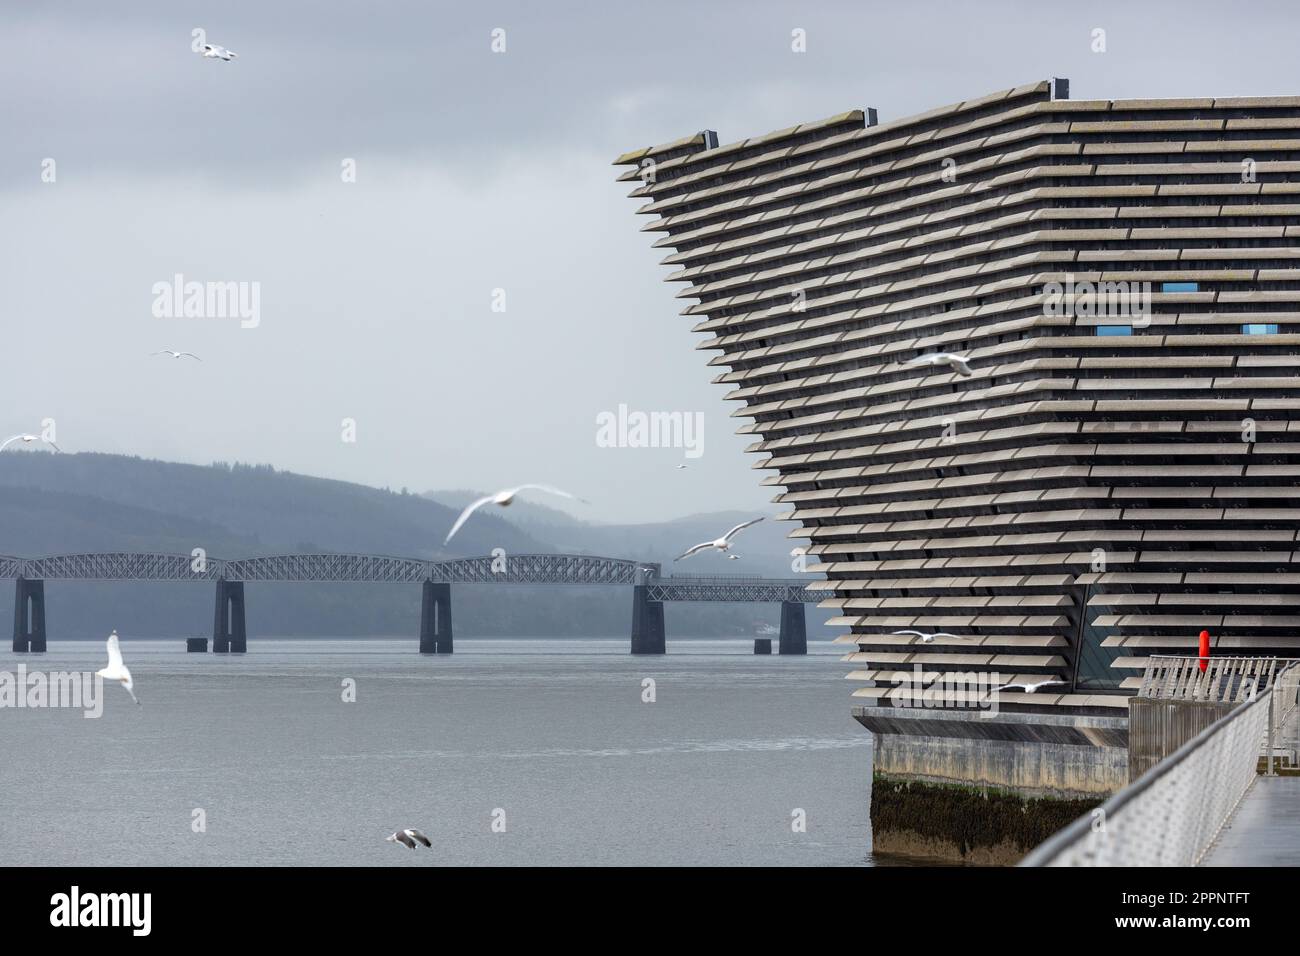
[961,788]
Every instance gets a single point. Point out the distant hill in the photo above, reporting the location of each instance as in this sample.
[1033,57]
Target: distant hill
[61,503]
[254,506]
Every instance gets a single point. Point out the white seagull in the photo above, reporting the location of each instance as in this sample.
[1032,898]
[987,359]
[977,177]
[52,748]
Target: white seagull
[927,638]
[504,499]
[718,544]
[174,354]
[680,467]
[956,363]
[214,52]
[408,838]
[27,440]
[116,670]
[1031,688]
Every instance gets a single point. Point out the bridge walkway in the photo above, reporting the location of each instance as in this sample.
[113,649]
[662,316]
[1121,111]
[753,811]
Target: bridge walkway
[1265,828]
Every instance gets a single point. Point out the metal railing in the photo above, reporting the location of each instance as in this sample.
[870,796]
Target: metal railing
[1224,679]
[1171,815]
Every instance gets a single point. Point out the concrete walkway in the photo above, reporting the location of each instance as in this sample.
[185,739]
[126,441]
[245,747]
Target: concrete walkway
[1265,830]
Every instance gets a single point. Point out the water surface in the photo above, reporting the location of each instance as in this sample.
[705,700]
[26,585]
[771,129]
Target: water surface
[552,732]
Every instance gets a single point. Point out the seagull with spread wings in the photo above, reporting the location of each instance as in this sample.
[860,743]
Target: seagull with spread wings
[1030,688]
[409,838]
[174,354]
[718,544]
[213,52]
[27,440]
[116,670]
[956,363]
[927,638]
[504,500]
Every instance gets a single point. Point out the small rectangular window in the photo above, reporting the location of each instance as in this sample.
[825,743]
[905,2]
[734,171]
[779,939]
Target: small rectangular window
[1114,330]
[1180,287]
[1259,328]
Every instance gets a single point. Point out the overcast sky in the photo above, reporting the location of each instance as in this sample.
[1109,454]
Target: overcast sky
[475,171]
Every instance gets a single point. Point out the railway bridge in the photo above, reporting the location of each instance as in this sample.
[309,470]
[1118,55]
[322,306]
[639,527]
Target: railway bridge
[650,588]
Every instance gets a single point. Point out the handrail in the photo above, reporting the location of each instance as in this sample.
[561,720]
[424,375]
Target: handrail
[1222,679]
[1235,738]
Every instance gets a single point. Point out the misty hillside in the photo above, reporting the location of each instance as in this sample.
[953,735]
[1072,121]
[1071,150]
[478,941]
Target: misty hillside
[56,503]
[61,503]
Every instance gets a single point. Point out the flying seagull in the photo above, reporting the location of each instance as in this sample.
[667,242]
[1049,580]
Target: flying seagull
[214,52]
[116,670]
[504,499]
[719,544]
[927,638]
[1031,688]
[408,838]
[680,467]
[956,363]
[174,354]
[28,439]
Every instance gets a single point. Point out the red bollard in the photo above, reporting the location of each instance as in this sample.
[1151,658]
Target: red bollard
[1205,650]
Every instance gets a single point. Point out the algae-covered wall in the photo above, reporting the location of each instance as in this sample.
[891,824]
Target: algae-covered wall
[960,823]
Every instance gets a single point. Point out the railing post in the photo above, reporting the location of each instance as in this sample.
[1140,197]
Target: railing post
[1272,697]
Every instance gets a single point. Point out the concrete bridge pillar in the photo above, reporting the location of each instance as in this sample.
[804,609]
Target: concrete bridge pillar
[229,633]
[29,616]
[794,636]
[647,622]
[435,618]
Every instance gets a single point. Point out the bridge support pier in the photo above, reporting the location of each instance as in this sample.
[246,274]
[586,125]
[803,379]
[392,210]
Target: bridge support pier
[647,622]
[435,619]
[794,635]
[229,633]
[29,616]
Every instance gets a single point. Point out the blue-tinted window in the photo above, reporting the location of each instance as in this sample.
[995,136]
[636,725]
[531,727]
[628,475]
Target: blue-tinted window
[1180,287]
[1259,328]
[1114,330]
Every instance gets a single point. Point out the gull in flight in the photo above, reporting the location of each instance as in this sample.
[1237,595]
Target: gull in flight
[504,499]
[733,557]
[174,354]
[1031,688]
[927,638]
[27,440]
[718,544]
[116,670]
[956,363]
[213,52]
[680,467]
[408,838]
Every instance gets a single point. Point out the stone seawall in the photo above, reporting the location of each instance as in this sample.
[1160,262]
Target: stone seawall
[986,790]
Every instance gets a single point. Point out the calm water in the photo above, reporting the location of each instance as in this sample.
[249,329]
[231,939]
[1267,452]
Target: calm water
[552,732]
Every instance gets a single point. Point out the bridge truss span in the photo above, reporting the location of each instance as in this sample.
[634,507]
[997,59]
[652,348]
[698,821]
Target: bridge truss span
[543,569]
[340,568]
[721,589]
[118,566]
